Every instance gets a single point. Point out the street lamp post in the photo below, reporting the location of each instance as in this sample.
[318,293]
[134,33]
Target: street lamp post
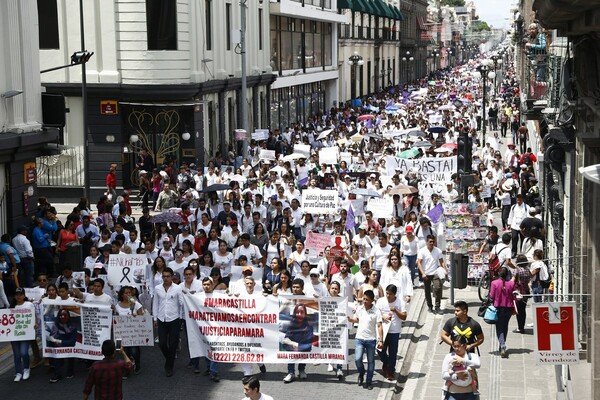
[354,61]
[497,60]
[484,71]
[244,83]
[407,59]
[435,55]
[84,105]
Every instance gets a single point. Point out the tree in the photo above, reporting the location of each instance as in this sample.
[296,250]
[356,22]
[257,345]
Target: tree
[478,26]
[453,3]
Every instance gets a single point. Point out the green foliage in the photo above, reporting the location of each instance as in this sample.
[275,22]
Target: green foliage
[453,3]
[478,26]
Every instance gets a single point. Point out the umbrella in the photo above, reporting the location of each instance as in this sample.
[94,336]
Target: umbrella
[438,129]
[446,107]
[423,143]
[216,187]
[443,150]
[410,153]
[431,83]
[278,169]
[357,138]
[373,108]
[450,145]
[167,217]
[365,117]
[324,134]
[365,192]
[416,132]
[403,189]
[238,178]
[392,108]
[293,156]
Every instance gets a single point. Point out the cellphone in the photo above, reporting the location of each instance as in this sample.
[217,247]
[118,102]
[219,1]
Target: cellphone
[118,343]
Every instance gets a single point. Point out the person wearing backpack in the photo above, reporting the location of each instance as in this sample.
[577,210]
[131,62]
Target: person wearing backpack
[528,158]
[541,276]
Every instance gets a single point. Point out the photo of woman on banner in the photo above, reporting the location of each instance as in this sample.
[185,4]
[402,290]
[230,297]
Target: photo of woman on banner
[64,331]
[299,328]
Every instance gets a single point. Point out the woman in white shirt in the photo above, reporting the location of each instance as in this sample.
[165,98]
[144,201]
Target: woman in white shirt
[92,259]
[188,251]
[296,258]
[409,247]
[223,260]
[274,248]
[127,304]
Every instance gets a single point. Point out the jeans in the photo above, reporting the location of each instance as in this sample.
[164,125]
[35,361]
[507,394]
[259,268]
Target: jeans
[437,284]
[20,355]
[168,340]
[537,292]
[521,314]
[292,368]
[411,262]
[57,365]
[516,236]
[134,353]
[26,272]
[389,352]
[504,314]
[363,345]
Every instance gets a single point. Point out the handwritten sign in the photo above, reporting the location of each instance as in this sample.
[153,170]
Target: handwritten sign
[267,154]
[34,294]
[381,207]
[134,330]
[17,324]
[320,201]
[328,155]
[317,241]
[302,149]
[431,169]
[126,269]
[260,134]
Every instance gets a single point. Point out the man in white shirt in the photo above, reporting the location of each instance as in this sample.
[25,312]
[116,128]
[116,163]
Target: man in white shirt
[347,281]
[315,287]
[393,312]
[259,207]
[167,306]
[23,247]
[450,195]
[252,252]
[429,259]
[503,252]
[297,214]
[252,389]
[379,253]
[98,296]
[518,212]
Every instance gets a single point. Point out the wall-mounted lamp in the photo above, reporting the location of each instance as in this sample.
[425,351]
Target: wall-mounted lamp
[592,173]
[134,138]
[110,138]
[186,135]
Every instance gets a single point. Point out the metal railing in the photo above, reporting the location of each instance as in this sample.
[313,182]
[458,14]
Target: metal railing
[64,169]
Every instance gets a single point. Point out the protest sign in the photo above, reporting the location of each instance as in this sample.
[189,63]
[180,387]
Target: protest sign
[317,241]
[134,330]
[260,134]
[431,169]
[79,280]
[266,329]
[320,201]
[73,329]
[328,155]
[17,324]
[346,156]
[486,192]
[34,294]
[381,207]
[267,154]
[302,149]
[126,269]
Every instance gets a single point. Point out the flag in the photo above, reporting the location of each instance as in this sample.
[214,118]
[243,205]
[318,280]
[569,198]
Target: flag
[390,103]
[435,213]
[350,223]
[302,182]
[378,120]
[369,124]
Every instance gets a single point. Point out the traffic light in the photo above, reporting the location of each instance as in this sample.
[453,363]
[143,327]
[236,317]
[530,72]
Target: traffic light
[464,153]
[81,57]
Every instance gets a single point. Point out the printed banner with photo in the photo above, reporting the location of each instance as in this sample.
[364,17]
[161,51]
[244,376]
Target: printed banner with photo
[260,329]
[134,330]
[127,269]
[17,324]
[431,169]
[73,329]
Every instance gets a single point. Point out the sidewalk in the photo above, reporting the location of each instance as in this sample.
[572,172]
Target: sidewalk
[517,377]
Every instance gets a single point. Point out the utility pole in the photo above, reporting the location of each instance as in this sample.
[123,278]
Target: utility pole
[84,102]
[244,102]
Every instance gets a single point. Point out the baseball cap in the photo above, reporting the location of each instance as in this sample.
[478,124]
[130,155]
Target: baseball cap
[409,229]
[20,290]
[246,268]
[314,271]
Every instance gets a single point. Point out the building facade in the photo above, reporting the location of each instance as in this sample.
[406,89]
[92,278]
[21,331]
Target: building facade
[165,75]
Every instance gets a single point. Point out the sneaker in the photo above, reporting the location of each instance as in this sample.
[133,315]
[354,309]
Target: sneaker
[361,378]
[18,377]
[197,370]
[302,375]
[289,378]
[124,378]
[190,364]
[503,352]
[329,367]
[215,378]
[390,376]
[206,373]
[54,380]
[263,368]
[438,310]
[430,309]
[25,374]
[340,374]
[70,376]
[368,386]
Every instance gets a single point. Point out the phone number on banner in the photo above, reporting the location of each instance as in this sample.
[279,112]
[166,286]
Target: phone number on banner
[235,357]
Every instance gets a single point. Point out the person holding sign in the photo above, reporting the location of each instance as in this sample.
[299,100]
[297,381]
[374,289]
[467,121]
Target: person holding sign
[20,348]
[128,305]
[299,334]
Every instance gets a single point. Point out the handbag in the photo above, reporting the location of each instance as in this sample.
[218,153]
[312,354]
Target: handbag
[484,305]
[491,315]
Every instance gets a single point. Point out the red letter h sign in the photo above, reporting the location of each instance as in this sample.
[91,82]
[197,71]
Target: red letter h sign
[553,320]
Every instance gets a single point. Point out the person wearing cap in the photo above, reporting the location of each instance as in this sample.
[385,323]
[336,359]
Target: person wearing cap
[409,248]
[315,287]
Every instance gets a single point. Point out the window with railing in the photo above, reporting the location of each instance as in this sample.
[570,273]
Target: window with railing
[326,4]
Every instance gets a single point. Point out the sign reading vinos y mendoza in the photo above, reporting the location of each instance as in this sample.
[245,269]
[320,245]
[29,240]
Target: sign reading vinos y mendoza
[431,169]
[273,329]
[317,201]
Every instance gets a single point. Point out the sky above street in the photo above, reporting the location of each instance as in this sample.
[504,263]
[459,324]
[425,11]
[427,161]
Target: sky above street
[494,12]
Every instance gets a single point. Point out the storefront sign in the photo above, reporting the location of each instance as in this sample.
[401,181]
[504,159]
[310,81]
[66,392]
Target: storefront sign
[555,331]
[109,107]
[29,172]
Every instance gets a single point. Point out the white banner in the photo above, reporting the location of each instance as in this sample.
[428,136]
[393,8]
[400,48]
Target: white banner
[267,154]
[302,149]
[133,330]
[432,169]
[126,269]
[260,134]
[317,201]
[17,324]
[381,207]
[73,329]
[34,294]
[270,329]
[328,155]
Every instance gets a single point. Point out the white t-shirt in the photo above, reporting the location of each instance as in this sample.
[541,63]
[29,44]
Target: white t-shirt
[224,263]
[429,259]
[127,310]
[102,299]
[367,323]
[380,255]
[384,306]
[319,289]
[195,287]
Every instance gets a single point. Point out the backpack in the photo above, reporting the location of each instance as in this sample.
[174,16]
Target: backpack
[527,158]
[494,263]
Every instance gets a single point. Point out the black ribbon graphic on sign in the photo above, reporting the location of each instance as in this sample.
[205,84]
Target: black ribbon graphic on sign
[125,273]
